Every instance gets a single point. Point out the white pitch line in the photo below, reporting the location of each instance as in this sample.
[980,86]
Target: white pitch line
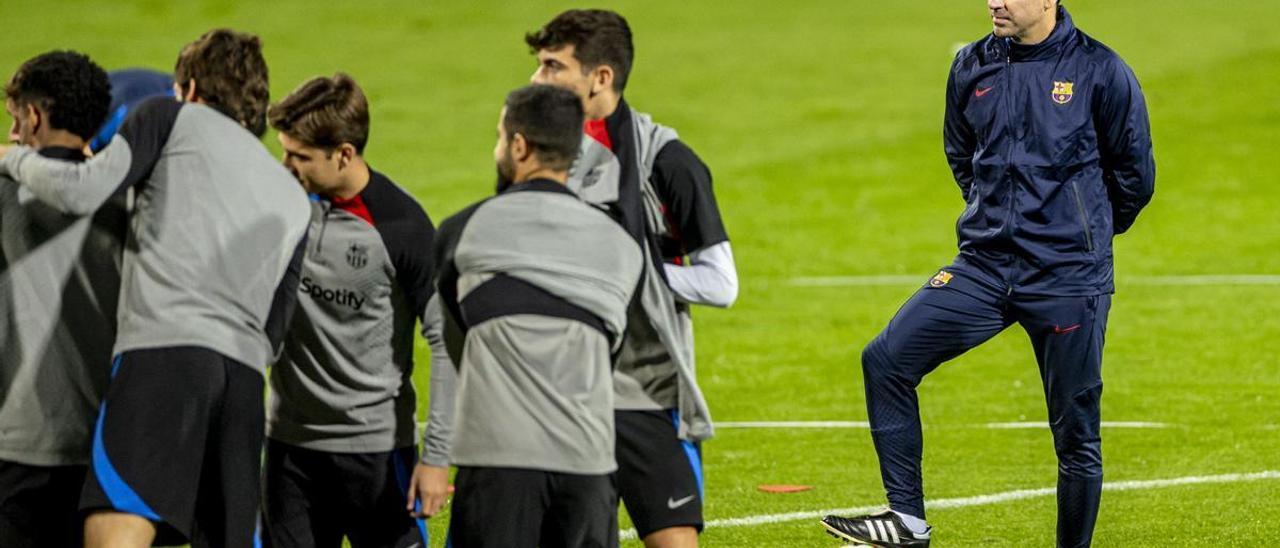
[982,500]
[1045,425]
[1176,280]
[847,281]
[793,424]
[863,425]
[1208,279]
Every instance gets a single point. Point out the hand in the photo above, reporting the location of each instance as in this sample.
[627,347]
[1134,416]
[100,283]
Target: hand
[430,487]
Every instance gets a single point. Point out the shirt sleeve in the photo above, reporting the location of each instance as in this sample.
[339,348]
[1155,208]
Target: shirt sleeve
[407,233]
[710,278]
[1124,143]
[413,267]
[958,138]
[683,184]
[80,188]
[285,301]
[437,439]
[445,280]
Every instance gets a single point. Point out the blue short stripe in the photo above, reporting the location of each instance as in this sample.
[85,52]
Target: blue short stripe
[695,456]
[403,476]
[122,497]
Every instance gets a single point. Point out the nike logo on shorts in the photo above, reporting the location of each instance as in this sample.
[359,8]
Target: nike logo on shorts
[673,504]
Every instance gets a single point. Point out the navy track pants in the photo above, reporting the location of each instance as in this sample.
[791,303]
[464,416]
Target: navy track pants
[958,310]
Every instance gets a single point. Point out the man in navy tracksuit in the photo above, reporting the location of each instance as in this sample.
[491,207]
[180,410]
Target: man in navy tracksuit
[1047,134]
[128,88]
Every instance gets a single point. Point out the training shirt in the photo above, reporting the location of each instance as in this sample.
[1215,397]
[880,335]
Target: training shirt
[661,193]
[216,225]
[534,285]
[59,281]
[662,196]
[343,383]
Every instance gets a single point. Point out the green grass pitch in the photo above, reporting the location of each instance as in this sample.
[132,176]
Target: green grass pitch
[822,124]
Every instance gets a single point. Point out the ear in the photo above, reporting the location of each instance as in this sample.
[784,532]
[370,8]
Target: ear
[34,117]
[601,79]
[346,153]
[188,92]
[519,148]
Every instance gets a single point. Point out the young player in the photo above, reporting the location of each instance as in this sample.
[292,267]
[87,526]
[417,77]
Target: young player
[59,282]
[661,192]
[535,284]
[209,276]
[341,427]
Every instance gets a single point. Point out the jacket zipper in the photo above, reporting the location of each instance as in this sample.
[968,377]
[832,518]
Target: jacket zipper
[1009,102]
[325,208]
[1084,215]
[1010,135]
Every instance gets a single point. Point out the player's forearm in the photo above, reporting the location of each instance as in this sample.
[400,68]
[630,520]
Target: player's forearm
[285,301]
[958,139]
[1131,191]
[438,438]
[964,180]
[76,188]
[437,441]
[711,278]
[1130,175]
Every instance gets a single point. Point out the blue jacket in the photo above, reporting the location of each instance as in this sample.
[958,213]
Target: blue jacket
[1051,147]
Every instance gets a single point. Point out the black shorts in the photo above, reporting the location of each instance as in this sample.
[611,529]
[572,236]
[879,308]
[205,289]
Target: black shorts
[659,475]
[179,441]
[315,498]
[517,508]
[38,505]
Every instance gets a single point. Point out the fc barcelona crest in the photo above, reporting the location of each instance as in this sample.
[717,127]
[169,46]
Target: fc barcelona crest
[357,256]
[1062,92]
[941,279]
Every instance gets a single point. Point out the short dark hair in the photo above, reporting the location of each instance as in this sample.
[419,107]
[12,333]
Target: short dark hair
[230,74]
[550,119]
[68,86]
[598,37]
[324,112]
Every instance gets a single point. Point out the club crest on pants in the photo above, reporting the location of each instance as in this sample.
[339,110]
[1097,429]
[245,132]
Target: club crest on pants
[940,279]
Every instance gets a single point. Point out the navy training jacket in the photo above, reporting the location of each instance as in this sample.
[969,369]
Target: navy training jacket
[1051,147]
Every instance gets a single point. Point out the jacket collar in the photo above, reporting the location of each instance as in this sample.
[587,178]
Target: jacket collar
[539,185]
[376,179]
[615,121]
[62,153]
[1063,31]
